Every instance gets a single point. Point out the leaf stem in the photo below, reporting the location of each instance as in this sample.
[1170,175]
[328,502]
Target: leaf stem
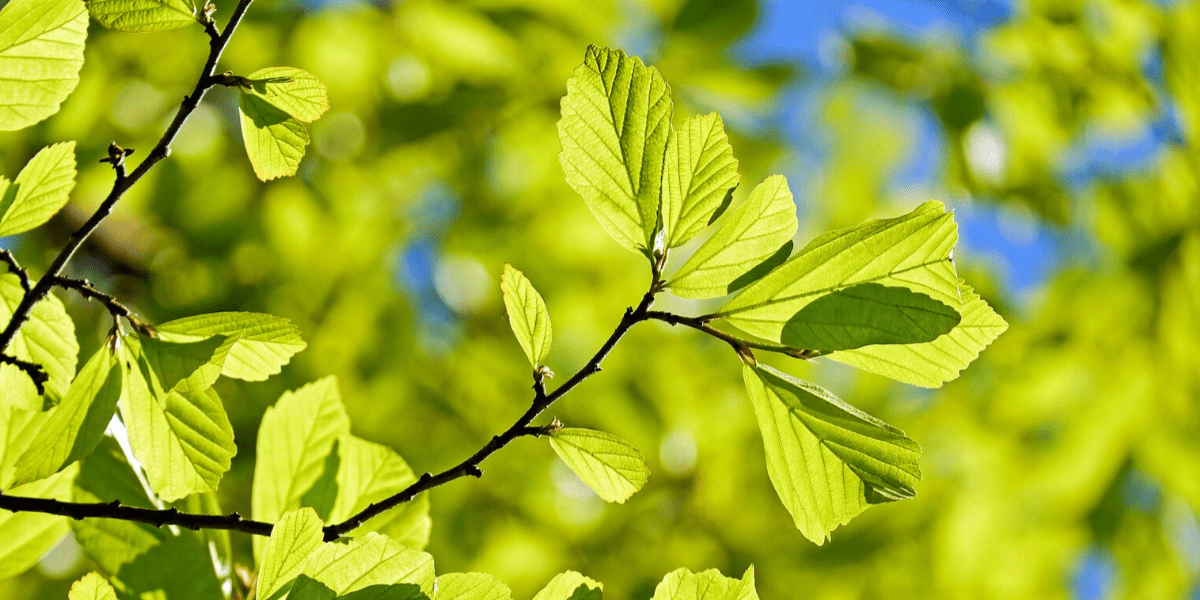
[123,182]
[741,346]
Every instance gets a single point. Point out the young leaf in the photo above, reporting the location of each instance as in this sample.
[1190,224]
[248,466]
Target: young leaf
[752,234]
[274,141]
[683,584]
[76,425]
[827,460]
[368,473]
[616,118]
[571,586]
[471,586]
[866,314]
[183,438]
[527,315]
[92,587]
[295,437]
[911,251]
[47,339]
[293,539]
[699,176]
[264,342]
[41,52]
[296,92]
[933,363]
[140,16]
[608,464]
[39,191]
[371,561]
[29,535]
[185,366]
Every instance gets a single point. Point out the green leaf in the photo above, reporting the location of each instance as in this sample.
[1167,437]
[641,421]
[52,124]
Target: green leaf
[527,315]
[371,561]
[47,339]
[752,233]
[183,438]
[616,119]
[295,437]
[933,363]
[139,16]
[41,52]
[105,476]
[683,584]
[471,586]
[75,426]
[29,535]
[293,539]
[294,91]
[912,251]
[608,464]
[19,424]
[367,473]
[185,366]
[571,586]
[866,314]
[827,460]
[40,190]
[274,141]
[264,342]
[698,179]
[92,587]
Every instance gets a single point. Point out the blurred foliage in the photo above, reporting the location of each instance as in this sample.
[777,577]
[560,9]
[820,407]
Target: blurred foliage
[1070,448]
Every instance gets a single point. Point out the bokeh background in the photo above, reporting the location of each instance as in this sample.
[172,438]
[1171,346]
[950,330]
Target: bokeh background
[1065,134]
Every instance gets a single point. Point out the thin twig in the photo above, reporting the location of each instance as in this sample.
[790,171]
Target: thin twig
[743,347]
[89,291]
[15,268]
[123,182]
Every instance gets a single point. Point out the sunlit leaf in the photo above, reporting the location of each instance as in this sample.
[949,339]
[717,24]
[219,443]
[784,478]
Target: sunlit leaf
[39,191]
[294,439]
[46,339]
[683,584]
[75,426]
[183,438]
[616,118]
[571,586]
[752,233]
[274,140]
[28,535]
[294,91]
[371,562]
[41,52]
[295,536]
[610,466]
[827,460]
[138,16]
[866,314]
[92,587]
[264,342]
[527,315]
[185,366]
[698,178]
[471,586]
[367,473]
[933,363]
[912,251]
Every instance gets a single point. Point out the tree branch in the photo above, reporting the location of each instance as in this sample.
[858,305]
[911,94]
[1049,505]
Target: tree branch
[15,268]
[742,347]
[116,510]
[522,427]
[123,182]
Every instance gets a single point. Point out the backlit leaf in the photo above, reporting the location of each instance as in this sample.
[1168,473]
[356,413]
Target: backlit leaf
[698,178]
[92,587]
[293,538]
[609,465]
[471,586]
[41,52]
[40,190]
[827,460]
[274,140]
[47,339]
[683,584]
[571,586]
[138,16]
[527,315]
[616,118]
[264,342]
[371,562]
[294,91]
[866,314]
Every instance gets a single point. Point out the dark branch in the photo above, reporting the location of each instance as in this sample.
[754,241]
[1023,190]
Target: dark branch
[15,268]
[115,510]
[123,182]
[35,371]
[742,347]
[521,428]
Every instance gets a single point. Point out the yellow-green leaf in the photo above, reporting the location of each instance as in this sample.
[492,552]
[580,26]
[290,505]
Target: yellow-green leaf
[294,91]
[698,178]
[139,16]
[293,538]
[92,587]
[264,342]
[46,339]
[274,140]
[471,586]
[613,468]
[39,191]
[41,52]
[683,584]
[571,586]
[527,315]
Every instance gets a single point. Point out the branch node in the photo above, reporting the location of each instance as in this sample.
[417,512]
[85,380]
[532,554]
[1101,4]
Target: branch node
[474,471]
